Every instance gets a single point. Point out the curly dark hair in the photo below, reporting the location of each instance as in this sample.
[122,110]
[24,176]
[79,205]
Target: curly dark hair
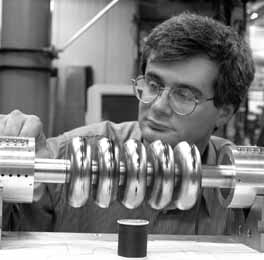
[188,35]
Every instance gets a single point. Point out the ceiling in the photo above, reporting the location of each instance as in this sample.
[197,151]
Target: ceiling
[157,10]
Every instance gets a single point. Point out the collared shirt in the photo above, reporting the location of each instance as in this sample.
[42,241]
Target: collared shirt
[52,212]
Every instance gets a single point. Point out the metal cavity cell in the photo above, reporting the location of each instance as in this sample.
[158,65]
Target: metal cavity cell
[80,155]
[248,177]
[161,157]
[106,156]
[135,181]
[17,156]
[188,167]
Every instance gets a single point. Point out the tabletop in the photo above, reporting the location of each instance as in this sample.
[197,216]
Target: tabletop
[49,246]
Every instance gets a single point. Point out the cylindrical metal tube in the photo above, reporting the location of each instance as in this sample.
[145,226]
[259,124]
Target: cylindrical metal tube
[226,176]
[51,170]
[122,171]
[215,176]
[17,168]
[220,176]
[251,177]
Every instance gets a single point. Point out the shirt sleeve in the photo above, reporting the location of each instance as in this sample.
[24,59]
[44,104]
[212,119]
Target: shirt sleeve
[36,216]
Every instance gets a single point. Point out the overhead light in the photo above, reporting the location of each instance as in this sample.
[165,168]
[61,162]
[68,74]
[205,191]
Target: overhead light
[254,16]
[52,6]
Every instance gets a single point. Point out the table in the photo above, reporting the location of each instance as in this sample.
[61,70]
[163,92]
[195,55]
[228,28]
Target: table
[51,246]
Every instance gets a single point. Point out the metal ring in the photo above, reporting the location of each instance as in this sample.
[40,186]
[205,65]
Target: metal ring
[135,158]
[188,162]
[107,155]
[160,155]
[80,155]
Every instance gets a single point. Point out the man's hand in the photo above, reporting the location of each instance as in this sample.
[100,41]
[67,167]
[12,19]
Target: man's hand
[18,124]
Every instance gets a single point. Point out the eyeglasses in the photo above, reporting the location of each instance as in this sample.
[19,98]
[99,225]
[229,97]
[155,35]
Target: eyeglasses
[182,100]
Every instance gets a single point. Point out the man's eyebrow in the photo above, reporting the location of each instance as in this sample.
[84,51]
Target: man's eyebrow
[197,92]
[193,89]
[153,75]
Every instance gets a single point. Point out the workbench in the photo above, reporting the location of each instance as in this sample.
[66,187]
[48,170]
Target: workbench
[49,246]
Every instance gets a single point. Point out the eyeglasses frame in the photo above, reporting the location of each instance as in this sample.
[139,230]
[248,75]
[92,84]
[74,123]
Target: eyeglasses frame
[196,101]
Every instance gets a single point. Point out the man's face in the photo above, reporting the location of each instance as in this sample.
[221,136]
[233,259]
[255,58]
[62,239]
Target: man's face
[158,120]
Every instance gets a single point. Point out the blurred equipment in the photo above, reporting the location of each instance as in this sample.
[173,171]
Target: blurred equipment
[71,97]
[116,103]
[133,173]
[25,57]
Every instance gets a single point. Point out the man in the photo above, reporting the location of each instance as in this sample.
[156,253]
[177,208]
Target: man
[195,73]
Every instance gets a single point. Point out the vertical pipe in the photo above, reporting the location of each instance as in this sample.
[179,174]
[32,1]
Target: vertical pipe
[24,67]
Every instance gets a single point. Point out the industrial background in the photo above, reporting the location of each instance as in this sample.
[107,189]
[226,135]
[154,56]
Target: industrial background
[63,85]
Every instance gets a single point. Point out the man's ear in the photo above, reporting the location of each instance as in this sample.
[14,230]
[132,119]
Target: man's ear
[224,115]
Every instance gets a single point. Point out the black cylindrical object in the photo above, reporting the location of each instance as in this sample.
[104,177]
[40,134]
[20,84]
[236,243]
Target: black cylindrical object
[132,237]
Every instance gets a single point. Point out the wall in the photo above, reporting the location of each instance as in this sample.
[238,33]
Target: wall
[109,46]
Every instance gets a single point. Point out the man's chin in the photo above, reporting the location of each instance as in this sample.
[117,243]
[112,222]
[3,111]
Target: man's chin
[150,135]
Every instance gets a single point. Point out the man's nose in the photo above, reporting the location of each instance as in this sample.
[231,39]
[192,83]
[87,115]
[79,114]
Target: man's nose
[161,103]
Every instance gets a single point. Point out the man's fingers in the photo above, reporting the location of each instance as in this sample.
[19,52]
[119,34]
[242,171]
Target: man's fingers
[32,127]
[3,120]
[19,124]
[13,124]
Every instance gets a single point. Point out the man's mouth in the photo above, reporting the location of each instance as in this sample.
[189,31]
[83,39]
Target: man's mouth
[157,126]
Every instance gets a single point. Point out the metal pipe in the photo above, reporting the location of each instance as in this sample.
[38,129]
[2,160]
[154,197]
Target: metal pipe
[218,176]
[122,171]
[221,176]
[51,170]
[227,176]
[88,25]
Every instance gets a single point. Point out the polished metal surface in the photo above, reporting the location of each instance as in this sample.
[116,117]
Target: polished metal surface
[248,174]
[220,176]
[160,192]
[17,156]
[135,158]
[160,175]
[187,159]
[106,188]
[78,187]
[51,170]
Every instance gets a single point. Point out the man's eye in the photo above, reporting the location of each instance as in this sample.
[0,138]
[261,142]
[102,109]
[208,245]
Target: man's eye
[184,93]
[153,85]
